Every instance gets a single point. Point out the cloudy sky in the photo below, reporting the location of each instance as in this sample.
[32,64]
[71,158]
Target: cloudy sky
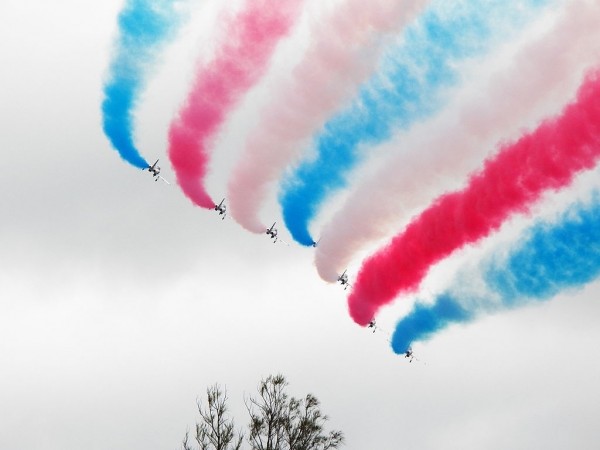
[120,301]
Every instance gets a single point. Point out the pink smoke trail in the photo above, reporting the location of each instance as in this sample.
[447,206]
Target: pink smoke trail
[343,51]
[546,159]
[544,71]
[240,61]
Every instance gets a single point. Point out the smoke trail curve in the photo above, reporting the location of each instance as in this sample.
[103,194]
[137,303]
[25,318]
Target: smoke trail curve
[144,27]
[548,158]
[241,60]
[343,50]
[409,88]
[545,70]
[549,259]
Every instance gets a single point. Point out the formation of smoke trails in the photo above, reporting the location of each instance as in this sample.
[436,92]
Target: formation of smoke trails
[509,183]
[409,89]
[343,51]
[144,26]
[550,259]
[540,69]
[241,60]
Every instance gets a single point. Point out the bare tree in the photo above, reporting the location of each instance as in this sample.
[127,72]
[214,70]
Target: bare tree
[304,427]
[216,431]
[268,414]
[277,421]
[280,422]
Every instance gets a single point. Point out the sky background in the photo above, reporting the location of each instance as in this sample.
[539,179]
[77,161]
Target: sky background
[120,302]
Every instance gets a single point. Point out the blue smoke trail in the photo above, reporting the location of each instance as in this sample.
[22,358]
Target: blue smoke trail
[144,25]
[409,87]
[550,259]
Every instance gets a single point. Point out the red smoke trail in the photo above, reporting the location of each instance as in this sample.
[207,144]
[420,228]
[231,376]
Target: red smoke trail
[510,182]
[251,39]
[543,74]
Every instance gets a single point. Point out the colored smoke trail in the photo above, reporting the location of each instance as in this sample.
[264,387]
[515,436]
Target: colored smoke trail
[551,258]
[548,67]
[144,26]
[545,159]
[241,60]
[409,88]
[343,50]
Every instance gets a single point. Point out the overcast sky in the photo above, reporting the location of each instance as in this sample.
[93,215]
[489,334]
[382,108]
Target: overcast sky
[120,301]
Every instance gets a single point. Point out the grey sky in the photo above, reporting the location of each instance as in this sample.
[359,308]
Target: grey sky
[120,301]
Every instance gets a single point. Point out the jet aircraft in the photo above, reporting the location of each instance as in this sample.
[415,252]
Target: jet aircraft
[154,169]
[272,232]
[222,209]
[343,279]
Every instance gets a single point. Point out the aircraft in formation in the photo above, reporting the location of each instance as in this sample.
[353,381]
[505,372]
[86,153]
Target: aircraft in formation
[407,354]
[154,169]
[343,279]
[221,209]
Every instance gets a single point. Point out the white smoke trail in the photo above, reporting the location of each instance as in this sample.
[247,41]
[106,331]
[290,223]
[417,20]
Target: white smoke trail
[344,50]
